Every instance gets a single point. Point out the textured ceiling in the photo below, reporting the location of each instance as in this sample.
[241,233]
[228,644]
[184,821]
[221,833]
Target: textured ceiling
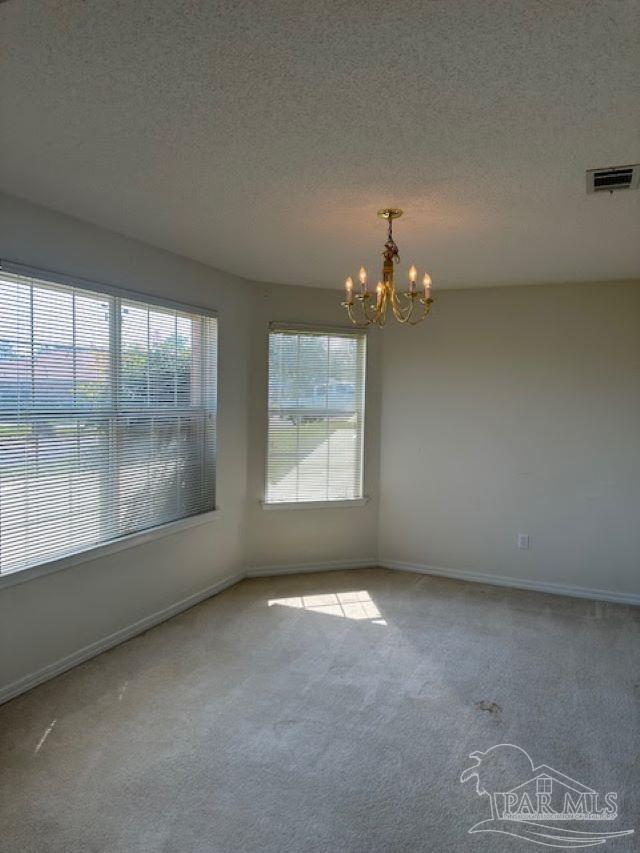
[260,136]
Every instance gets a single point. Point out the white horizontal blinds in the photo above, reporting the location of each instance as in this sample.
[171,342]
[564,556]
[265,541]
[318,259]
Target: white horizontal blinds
[107,418]
[316,416]
[165,433]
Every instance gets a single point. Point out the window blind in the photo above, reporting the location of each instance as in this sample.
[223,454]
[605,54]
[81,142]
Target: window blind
[316,415]
[107,417]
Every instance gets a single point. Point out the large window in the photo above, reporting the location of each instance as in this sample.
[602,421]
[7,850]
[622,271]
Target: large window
[316,415]
[107,417]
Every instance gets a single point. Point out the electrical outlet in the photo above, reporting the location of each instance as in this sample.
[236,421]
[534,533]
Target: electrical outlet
[523,541]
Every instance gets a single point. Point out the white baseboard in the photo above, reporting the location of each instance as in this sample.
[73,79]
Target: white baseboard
[21,685]
[25,683]
[10,691]
[299,568]
[516,583]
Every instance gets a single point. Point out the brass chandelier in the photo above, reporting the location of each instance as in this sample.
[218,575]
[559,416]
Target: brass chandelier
[407,307]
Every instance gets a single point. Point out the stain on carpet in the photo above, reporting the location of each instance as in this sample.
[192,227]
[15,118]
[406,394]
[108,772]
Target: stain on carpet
[491,708]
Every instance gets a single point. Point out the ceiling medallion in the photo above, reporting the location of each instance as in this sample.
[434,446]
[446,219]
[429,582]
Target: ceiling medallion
[404,305]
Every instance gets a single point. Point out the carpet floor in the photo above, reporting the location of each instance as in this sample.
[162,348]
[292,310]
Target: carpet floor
[325,712]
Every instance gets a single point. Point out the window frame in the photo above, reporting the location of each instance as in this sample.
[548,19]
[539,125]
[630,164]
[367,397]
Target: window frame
[128,540]
[346,503]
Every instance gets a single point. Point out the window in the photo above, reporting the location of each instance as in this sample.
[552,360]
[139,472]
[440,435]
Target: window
[316,416]
[107,417]
[544,785]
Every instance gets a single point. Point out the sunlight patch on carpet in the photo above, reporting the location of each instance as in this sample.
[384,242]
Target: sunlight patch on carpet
[357,605]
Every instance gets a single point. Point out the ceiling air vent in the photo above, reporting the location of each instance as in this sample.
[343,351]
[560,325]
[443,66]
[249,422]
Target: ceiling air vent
[613,178]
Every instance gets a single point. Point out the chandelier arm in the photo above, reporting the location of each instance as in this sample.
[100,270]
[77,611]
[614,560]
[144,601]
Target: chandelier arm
[372,317]
[367,321]
[381,308]
[427,307]
[401,313]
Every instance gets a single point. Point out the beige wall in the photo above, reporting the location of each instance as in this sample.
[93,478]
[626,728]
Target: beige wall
[308,536]
[516,410]
[45,619]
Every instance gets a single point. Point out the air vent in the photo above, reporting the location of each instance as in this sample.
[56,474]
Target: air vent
[613,178]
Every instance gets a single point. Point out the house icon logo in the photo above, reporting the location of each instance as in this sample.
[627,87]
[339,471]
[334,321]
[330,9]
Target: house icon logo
[539,804]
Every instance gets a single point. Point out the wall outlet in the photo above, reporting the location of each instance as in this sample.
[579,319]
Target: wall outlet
[523,541]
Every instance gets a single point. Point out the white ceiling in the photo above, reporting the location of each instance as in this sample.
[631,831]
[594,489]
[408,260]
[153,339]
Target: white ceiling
[261,136]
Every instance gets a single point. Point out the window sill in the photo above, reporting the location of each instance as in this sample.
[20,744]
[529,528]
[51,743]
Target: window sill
[20,575]
[315,504]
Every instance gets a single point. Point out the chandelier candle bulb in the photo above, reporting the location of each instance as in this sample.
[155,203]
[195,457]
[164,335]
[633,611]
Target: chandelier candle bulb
[413,275]
[427,286]
[348,285]
[362,275]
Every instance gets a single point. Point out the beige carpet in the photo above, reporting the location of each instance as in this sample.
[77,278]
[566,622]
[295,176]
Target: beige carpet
[327,712]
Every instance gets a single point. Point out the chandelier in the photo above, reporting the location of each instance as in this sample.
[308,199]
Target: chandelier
[407,307]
